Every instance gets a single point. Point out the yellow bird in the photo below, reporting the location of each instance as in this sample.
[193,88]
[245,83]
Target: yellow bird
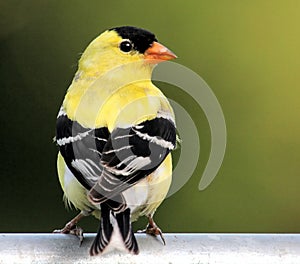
[115,131]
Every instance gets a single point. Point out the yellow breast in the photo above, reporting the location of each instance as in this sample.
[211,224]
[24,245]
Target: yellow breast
[98,106]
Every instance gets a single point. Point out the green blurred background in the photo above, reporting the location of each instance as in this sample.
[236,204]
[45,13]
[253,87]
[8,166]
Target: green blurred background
[247,51]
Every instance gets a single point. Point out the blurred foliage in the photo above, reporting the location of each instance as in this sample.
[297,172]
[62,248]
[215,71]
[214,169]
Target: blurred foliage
[248,53]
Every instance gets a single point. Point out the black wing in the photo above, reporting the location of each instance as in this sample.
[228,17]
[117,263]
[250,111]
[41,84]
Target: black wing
[131,154]
[81,148]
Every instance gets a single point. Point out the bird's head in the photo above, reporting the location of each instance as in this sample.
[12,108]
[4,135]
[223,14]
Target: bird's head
[126,48]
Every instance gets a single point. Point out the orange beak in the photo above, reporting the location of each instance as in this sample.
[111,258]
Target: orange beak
[159,53]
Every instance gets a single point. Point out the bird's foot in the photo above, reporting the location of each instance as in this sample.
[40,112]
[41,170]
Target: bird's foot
[153,230]
[72,228]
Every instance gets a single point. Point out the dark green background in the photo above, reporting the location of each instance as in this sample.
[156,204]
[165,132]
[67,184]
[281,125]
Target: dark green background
[248,53]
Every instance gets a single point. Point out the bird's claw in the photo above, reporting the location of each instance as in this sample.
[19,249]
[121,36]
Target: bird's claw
[77,231]
[153,230]
[73,230]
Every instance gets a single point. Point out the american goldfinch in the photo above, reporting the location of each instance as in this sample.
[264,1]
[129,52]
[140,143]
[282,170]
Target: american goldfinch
[115,131]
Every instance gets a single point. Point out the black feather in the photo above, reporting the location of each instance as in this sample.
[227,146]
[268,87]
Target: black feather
[112,181]
[123,220]
[89,147]
[104,232]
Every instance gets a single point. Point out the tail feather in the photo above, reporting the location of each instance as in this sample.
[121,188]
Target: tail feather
[124,223]
[106,228]
[104,232]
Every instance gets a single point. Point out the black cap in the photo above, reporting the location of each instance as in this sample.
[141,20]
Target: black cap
[141,38]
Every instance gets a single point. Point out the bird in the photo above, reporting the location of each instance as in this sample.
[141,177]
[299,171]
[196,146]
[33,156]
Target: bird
[115,132]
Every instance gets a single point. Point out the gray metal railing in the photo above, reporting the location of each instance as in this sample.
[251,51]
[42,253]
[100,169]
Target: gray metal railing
[180,248]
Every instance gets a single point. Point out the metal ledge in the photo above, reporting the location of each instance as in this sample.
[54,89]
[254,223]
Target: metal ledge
[180,248]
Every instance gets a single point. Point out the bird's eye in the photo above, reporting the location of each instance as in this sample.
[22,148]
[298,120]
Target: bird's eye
[126,46]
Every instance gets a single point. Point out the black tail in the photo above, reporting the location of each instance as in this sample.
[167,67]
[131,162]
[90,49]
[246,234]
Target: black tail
[124,224]
[105,231]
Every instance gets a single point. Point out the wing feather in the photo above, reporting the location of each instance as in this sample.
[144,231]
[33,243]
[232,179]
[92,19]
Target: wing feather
[131,154]
[109,163]
[81,149]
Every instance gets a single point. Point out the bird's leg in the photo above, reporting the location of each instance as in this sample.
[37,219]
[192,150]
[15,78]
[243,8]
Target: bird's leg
[72,228]
[153,230]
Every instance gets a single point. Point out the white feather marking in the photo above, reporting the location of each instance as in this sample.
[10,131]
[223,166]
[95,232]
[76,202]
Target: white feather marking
[89,168]
[64,141]
[116,150]
[61,112]
[125,161]
[138,163]
[124,136]
[158,141]
[96,151]
[101,139]
[93,164]
[116,241]
[134,165]
[109,179]
[85,169]
[139,126]
[127,239]
[104,188]
[103,233]
[166,115]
